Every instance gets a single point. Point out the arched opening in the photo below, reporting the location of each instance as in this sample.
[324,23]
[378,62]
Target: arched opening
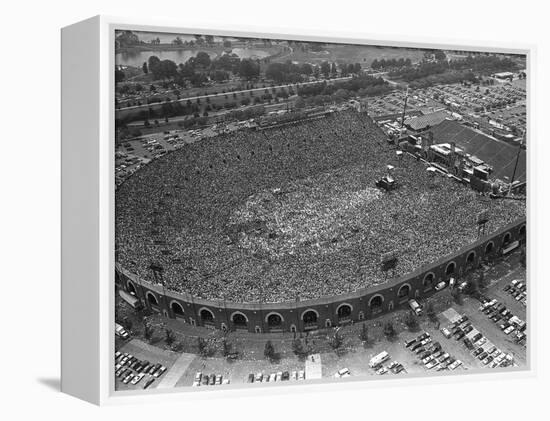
[239,320]
[131,288]
[507,239]
[470,259]
[344,312]
[310,317]
[177,309]
[274,320]
[375,304]
[428,281]
[489,247]
[293,328]
[258,329]
[522,231]
[404,291]
[206,315]
[450,269]
[328,323]
[151,299]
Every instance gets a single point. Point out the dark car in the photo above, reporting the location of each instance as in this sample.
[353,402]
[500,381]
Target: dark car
[204,380]
[507,287]
[212,381]
[423,336]
[477,337]
[154,369]
[420,350]
[482,356]
[148,383]
[477,352]
[250,378]
[459,335]
[468,344]
[425,355]
[409,343]
[416,346]
[286,375]
[468,329]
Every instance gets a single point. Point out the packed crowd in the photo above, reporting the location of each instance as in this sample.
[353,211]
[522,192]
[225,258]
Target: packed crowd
[291,213]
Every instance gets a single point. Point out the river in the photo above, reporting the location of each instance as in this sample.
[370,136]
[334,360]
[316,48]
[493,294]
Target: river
[137,58]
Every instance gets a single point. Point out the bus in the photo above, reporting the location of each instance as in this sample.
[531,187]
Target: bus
[379,359]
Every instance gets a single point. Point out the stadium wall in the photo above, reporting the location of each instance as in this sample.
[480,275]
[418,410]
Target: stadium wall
[366,303]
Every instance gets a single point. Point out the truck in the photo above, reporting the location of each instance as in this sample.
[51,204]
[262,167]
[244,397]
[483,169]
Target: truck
[413,304]
[379,359]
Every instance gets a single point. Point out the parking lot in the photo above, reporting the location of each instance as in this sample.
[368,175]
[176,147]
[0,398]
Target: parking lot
[352,359]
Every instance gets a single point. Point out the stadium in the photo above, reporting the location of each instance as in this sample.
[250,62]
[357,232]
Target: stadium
[284,228]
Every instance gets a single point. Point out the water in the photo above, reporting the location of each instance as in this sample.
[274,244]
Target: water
[137,58]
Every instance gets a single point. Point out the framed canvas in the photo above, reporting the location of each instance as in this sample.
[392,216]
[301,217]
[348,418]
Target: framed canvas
[245,212]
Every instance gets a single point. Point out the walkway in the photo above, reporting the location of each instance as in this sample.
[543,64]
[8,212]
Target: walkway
[314,367]
[176,371]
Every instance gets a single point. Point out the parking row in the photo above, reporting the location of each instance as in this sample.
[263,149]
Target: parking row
[510,324]
[432,354]
[209,380]
[461,329]
[130,369]
[518,290]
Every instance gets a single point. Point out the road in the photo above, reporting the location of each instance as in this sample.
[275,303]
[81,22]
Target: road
[200,97]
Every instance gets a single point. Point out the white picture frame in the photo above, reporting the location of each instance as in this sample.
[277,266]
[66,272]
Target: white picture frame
[88,208]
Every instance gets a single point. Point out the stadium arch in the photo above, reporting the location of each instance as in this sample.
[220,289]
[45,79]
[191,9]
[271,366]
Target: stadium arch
[489,247]
[206,315]
[343,311]
[310,316]
[428,281]
[404,292]
[375,303]
[177,309]
[450,269]
[152,299]
[274,319]
[131,288]
[239,319]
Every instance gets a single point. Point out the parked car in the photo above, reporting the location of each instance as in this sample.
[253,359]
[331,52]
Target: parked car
[148,382]
[259,377]
[137,378]
[286,375]
[250,378]
[440,286]
[446,332]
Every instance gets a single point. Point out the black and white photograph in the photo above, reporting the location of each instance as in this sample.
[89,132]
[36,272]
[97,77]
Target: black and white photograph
[290,211]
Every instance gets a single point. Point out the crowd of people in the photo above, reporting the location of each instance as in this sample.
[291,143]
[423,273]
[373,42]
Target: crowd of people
[291,213]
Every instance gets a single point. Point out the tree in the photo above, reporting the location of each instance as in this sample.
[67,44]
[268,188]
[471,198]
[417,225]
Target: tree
[457,296]
[226,43]
[119,76]
[148,329]
[389,330]
[298,348]
[202,59]
[170,337]
[202,347]
[411,321]
[269,351]
[300,103]
[336,340]
[364,335]
[430,311]
[325,68]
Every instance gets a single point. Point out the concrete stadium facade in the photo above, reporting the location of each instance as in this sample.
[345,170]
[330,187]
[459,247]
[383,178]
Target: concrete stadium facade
[324,312]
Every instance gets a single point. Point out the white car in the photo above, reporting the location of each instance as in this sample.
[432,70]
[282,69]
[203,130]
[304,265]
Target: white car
[301,375]
[138,378]
[272,377]
[294,375]
[509,330]
[455,365]
[440,286]
[344,372]
[279,376]
[432,364]
[446,332]
[382,370]
[198,376]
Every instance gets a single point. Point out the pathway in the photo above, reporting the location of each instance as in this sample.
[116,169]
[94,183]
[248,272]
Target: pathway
[173,375]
